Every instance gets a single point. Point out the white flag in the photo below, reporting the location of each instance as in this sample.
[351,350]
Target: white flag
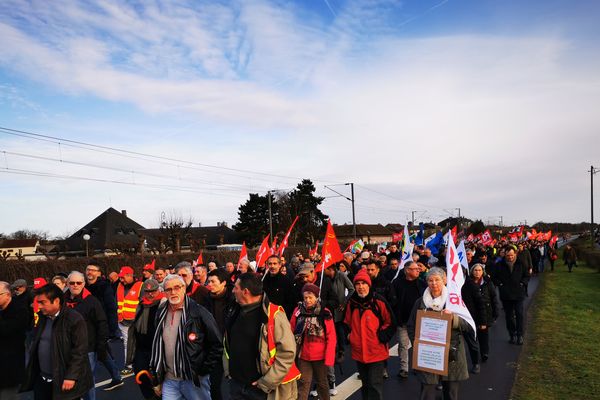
[454,282]
[407,249]
[462,254]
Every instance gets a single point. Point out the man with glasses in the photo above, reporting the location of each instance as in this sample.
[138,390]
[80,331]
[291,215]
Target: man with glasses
[187,344]
[14,323]
[193,289]
[81,300]
[409,288]
[101,289]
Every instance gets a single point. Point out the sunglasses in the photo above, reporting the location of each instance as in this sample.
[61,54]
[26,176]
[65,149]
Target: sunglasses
[75,283]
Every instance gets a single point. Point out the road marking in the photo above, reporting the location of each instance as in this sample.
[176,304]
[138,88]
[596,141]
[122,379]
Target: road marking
[352,383]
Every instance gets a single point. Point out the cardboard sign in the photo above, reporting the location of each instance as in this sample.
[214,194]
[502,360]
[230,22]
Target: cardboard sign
[432,342]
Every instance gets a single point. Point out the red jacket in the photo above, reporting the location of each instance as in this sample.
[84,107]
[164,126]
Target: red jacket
[316,348]
[365,329]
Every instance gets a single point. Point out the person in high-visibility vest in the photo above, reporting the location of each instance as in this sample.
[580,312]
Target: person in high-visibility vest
[266,370]
[128,297]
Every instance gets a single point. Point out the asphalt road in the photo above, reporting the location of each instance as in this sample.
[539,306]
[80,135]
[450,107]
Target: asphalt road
[494,382]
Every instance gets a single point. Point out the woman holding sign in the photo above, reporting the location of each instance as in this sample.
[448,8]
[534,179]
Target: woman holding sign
[434,299]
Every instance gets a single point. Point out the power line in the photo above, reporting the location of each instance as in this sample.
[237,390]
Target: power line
[91,146]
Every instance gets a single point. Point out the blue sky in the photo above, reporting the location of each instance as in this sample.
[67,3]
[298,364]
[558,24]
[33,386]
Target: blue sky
[425,105]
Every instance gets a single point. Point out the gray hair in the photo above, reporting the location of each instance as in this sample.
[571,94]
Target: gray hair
[437,271]
[171,277]
[348,254]
[187,267]
[5,286]
[245,261]
[73,273]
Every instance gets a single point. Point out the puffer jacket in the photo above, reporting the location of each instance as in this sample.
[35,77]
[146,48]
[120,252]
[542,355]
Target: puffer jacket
[490,300]
[457,368]
[372,325]
[69,357]
[316,348]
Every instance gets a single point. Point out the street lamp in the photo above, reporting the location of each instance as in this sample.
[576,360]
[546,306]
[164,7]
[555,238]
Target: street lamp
[87,237]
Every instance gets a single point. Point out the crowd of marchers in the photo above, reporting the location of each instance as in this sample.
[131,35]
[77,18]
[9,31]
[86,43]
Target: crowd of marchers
[270,332]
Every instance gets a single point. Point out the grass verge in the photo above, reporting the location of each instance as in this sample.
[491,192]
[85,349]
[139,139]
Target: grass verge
[561,358]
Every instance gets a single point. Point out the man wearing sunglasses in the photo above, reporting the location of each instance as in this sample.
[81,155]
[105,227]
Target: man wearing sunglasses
[82,301]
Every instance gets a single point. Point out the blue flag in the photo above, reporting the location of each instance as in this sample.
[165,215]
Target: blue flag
[435,243]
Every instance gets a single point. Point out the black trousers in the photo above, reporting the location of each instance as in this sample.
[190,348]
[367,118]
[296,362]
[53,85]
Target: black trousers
[240,391]
[42,390]
[483,337]
[141,361]
[513,310]
[371,375]
[472,345]
[216,378]
[450,391]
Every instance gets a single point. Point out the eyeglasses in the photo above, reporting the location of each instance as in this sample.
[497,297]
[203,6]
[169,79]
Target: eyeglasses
[75,283]
[183,275]
[174,289]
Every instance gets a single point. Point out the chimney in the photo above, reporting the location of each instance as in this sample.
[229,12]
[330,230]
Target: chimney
[124,212]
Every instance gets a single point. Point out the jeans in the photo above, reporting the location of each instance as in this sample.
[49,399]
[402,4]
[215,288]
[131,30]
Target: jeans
[371,375]
[180,390]
[91,395]
[403,346]
[111,366]
[513,310]
[124,330]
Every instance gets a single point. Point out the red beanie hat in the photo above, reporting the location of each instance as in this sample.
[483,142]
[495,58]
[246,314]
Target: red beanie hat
[362,276]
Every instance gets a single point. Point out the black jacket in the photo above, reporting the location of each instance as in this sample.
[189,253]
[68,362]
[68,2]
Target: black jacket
[14,322]
[69,357]
[219,307]
[95,319]
[384,288]
[206,350]
[103,291]
[490,300]
[472,298]
[405,297]
[511,285]
[279,289]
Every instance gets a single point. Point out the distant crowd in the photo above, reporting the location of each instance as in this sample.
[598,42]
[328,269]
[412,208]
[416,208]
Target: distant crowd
[275,331]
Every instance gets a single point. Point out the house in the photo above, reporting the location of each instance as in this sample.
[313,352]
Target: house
[12,249]
[191,238]
[110,232]
[369,233]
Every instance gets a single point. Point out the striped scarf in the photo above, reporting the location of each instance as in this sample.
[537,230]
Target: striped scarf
[182,366]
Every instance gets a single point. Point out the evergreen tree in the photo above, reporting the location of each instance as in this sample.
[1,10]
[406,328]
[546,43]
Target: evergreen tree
[253,219]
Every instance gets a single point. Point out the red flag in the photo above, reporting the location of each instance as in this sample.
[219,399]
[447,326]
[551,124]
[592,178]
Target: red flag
[273,248]
[263,252]
[486,238]
[397,237]
[243,254]
[454,235]
[200,261]
[284,242]
[547,235]
[470,238]
[330,253]
[150,266]
[553,241]
[314,251]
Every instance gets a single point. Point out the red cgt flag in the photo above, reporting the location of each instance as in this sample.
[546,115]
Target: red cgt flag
[312,252]
[263,252]
[330,253]
[284,242]
[273,249]
[243,254]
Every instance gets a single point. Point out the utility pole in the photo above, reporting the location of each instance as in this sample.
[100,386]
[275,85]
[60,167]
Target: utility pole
[593,171]
[351,199]
[458,228]
[501,222]
[413,218]
[353,214]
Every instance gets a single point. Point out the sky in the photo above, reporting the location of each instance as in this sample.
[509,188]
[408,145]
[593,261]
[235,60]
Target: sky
[184,107]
